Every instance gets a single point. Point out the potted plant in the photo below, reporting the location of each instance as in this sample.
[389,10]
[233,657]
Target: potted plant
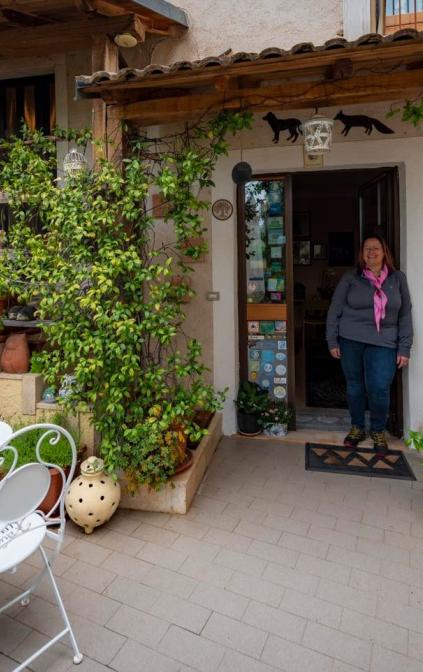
[414,441]
[275,418]
[251,402]
[59,454]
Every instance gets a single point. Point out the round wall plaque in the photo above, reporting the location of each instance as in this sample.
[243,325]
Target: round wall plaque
[222,209]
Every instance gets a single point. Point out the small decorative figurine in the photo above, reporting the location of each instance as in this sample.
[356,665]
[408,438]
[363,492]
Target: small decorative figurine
[360,120]
[92,497]
[277,125]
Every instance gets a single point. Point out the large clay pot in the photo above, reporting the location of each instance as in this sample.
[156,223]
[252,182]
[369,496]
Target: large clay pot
[92,497]
[15,356]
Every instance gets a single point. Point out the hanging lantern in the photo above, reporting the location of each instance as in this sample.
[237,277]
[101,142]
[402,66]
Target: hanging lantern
[73,163]
[318,134]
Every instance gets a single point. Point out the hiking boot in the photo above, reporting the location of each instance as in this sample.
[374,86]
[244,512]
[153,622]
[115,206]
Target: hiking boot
[380,443]
[354,437]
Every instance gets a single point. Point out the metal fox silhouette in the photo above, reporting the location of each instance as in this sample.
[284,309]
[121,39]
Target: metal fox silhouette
[367,123]
[278,125]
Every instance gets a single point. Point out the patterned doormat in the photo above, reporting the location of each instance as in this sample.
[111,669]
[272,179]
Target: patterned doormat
[361,461]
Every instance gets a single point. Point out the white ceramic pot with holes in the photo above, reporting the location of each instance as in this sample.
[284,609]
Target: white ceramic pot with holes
[92,497]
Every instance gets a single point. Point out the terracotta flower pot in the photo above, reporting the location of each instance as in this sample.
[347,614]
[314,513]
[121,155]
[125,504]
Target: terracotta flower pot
[53,493]
[15,356]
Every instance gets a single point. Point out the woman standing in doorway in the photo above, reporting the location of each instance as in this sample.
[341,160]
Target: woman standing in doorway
[369,328]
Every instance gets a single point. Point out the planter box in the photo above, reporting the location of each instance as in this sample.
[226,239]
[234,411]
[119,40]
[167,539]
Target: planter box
[176,496]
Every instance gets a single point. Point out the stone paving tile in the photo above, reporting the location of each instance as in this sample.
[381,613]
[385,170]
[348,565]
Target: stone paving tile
[325,569]
[399,572]
[198,548]
[379,550]
[322,520]
[221,521]
[220,600]
[94,578]
[256,589]
[345,596]
[375,630]
[383,588]
[237,662]
[239,636]
[207,572]
[278,554]
[334,537]
[415,645]
[133,652]
[180,612]
[291,657]
[245,513]
[384,660]
[138,625]
[336,644]
[195,651]
[6,664]
[117,542]
[241,562]
[354,559]
[132,593]
[291,578]
[312,608]
[318,549]
[362,531]
[400,614]
[156,535]
[189,528]
[124,565]
[11,634]
[57,658]
[170,582]
[163,557]
[276,621]
[87,552]
[285,524]
[229,540]
[258,532]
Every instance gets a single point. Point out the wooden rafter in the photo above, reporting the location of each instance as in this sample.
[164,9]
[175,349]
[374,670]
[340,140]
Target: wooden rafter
[293,95]
[379,58]
[44,40]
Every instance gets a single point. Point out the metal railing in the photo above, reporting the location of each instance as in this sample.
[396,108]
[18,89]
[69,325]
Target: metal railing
[400,14]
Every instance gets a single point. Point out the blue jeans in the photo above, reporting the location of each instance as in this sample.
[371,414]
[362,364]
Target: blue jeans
[368,369]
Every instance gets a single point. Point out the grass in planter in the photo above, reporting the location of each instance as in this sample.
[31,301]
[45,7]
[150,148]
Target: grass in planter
[60,453]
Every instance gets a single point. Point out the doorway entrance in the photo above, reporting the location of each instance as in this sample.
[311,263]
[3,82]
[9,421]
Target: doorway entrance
[297,235]
[332,212]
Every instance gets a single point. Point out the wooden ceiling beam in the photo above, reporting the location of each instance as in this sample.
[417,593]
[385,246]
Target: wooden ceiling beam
[373,58]
[17,17]
[298,95]
[62,37]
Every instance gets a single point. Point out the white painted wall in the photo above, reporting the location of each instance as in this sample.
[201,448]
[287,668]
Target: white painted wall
[248,25]
[357,18]
[407,154]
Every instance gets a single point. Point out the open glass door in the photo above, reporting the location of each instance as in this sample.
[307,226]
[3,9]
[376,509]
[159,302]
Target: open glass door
[265,285]
[379,215]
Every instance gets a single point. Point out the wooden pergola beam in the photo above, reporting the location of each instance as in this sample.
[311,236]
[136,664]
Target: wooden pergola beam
[60,37]
[295,95]
[380,57]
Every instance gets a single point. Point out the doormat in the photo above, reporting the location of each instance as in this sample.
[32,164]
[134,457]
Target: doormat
[360,461]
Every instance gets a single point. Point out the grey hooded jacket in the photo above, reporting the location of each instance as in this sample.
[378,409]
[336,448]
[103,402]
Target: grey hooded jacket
[351,313]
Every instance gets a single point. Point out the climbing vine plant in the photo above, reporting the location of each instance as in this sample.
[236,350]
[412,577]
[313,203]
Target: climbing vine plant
[111,291]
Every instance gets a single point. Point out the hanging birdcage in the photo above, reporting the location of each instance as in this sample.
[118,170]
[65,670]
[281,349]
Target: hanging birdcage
[318,134]
[74,162]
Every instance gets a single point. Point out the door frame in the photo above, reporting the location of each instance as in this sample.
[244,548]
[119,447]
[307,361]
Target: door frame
[397,397]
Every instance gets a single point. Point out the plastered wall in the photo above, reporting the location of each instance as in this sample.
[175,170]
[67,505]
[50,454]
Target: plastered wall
[248,25]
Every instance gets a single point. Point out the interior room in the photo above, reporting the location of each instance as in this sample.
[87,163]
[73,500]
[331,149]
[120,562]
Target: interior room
[332,211]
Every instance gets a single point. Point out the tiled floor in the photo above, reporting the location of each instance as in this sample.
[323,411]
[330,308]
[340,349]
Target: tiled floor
[274,568]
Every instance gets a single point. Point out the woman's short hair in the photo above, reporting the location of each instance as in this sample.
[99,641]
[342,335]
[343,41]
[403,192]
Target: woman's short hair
[388,258]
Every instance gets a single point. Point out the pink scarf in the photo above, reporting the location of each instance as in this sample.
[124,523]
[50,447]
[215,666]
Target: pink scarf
[380,298]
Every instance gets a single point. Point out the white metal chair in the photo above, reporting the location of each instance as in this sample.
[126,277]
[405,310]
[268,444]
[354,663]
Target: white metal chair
[23,527]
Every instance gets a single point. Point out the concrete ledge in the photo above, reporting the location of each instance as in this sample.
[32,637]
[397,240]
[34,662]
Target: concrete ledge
[176,496]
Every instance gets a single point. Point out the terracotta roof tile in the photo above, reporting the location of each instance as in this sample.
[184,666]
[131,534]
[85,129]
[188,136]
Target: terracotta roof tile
[226,60]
